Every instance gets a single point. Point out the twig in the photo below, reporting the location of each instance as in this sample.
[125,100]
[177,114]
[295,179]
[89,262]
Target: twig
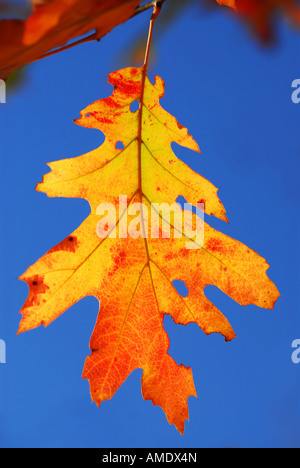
[147,6]
[92,37]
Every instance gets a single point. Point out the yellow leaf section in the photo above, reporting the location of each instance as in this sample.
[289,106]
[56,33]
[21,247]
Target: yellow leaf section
[164,176]
[133,278]
[55,22]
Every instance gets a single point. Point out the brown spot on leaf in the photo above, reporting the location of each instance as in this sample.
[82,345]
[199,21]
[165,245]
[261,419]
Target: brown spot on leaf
[202,201]
[68,245]
[36,288]
[215,245]
[118,260]
[184,252]
[179,125]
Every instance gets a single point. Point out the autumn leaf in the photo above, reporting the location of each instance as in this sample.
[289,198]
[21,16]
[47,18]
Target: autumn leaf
[55,22]
[230,3]
[133,277]
[261,13]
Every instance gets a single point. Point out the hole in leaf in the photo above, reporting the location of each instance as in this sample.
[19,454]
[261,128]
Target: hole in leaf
[120,145]
[181,201]
[184,205]
[151,77]
[134,106]
[181,288]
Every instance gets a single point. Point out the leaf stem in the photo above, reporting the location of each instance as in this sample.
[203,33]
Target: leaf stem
[147,7]
[156,11]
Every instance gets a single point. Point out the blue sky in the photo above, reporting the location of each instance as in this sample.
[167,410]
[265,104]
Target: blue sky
[235,98]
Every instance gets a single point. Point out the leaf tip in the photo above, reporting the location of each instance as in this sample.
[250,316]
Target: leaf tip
[230,3]
[228,339]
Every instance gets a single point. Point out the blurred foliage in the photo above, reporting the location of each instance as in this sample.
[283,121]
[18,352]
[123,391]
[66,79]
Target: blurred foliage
[16,79]
[15,9]
[260,18]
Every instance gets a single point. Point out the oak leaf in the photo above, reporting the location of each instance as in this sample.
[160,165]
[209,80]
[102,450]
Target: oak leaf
[55,22]
[133,277]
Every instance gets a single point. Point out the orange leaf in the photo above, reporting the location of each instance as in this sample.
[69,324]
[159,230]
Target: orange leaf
[133,276]
[54,23]
[230,3]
